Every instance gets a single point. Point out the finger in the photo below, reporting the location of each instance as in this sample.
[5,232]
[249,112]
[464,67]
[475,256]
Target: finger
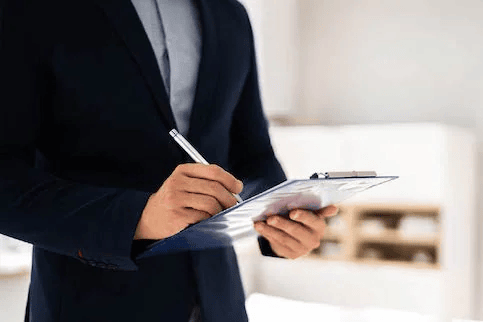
[194,216]
[309,219]
[211,172]
[306,217]
[159,228]
[283,251]
[306,236]
[280,237]
[211,188]
[201,202]
[279,248]
[328,211]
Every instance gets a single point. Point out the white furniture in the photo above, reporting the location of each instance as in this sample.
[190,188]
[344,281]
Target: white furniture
[13,296]
[15,264]
[436,165]
[262,308]
[15,256]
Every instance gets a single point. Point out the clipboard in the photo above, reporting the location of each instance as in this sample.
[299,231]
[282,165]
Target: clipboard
[236,223]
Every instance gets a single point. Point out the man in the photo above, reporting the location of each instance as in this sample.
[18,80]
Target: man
[88,172]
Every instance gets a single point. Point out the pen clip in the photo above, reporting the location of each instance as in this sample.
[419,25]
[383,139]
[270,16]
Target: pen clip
[317,175]
[344,174]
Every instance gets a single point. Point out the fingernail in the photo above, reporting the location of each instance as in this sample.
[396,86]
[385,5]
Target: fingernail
[334,210]
[272,221]
[294,215]
[259,226]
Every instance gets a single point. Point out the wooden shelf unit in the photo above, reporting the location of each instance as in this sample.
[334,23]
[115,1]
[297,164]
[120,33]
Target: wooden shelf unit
[394,237]
[387,242]
[21,273]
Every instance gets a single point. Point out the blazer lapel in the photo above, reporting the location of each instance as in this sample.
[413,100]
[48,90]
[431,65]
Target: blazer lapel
[123,16]
[208,75]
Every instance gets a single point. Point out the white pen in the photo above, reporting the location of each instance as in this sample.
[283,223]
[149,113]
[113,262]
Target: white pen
[195,155]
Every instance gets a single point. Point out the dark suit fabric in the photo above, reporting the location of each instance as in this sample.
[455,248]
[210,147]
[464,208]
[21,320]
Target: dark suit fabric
[84,141]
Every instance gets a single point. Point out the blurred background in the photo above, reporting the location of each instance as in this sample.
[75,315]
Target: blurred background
[391,86]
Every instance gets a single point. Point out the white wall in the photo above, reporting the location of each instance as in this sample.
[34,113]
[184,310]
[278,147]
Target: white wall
[275,24]
[378,61]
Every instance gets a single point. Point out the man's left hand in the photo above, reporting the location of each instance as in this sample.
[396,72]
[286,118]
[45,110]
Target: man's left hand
[297,236]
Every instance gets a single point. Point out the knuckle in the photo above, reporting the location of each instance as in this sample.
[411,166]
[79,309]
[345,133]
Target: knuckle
[285,240]
[173,182]
[319,235]
[299,229]
[195,218]
[214,187]
[171,196]
[178,213]
[316,244]
[306,218]
[204,215]
[322,224]
[168,182]
[279,222]
[274,221]
[292,229]
[180,168]
[268,233]
[214,169]
[213,204]
[287,225]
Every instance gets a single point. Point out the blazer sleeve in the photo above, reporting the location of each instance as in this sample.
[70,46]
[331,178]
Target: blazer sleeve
[93,224]
[251,154]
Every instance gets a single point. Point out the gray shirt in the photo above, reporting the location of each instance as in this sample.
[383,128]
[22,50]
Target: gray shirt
[174,30]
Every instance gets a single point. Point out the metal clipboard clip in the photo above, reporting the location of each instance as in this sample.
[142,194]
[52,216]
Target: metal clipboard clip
[344,174]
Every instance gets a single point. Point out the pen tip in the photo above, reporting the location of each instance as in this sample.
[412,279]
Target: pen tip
[173,132]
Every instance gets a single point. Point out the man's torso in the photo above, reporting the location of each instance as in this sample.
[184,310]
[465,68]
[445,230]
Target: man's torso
[106,123]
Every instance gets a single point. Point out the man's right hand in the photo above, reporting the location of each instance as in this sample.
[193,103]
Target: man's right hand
[192,193]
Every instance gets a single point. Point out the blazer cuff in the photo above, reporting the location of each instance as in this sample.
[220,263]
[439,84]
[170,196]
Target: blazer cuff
[265,247]
[114,250]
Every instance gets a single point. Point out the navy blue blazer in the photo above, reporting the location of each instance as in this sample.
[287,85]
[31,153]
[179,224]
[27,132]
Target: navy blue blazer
[84,141]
